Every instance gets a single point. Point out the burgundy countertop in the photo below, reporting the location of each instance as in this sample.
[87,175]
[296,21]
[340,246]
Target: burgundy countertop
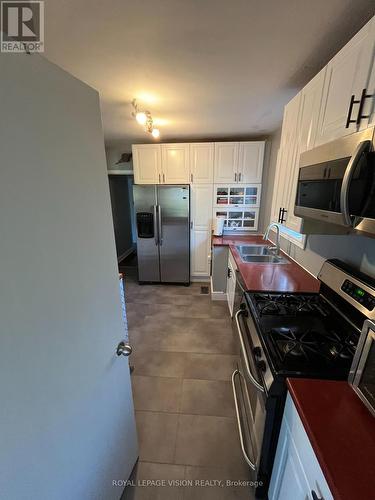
[271,277]
[342,433]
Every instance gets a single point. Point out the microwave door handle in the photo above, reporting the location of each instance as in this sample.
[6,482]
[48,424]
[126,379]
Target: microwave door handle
[247,366]
[344,195]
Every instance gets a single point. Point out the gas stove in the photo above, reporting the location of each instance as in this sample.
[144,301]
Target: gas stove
[310,335]
[303,334]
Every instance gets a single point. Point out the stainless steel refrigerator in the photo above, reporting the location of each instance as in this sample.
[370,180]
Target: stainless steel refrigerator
[162,215]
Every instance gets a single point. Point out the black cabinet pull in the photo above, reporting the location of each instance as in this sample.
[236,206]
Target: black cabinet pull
[364,96]
[349,117]
[278,220]
[229,272]
[283,212]
[315,496]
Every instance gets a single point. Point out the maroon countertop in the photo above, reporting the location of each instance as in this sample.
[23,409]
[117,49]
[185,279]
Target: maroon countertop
[271,277]
[342,433]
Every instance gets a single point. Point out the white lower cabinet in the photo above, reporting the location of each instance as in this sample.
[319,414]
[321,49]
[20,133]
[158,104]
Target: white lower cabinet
[200,241]
[231,282]
[296,471]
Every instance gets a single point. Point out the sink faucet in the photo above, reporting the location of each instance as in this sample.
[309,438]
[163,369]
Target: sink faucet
[276,247]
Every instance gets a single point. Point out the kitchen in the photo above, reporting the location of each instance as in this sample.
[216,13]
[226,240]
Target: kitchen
[237,213]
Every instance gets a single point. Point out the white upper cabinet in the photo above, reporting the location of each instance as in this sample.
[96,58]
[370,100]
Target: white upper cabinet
[250,161]
[308,115]
[226,162]
[347,75]
[147,163]
[202,163]
[175,163]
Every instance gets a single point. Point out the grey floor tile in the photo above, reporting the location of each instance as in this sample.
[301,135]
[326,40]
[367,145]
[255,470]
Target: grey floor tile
[209,366]
[207,397]
[203,441]
[156,393]
[159,363]
[234,485]
[156,482]
[156,436]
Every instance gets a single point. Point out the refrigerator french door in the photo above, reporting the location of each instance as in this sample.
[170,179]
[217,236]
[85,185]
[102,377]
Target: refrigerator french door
[163,233]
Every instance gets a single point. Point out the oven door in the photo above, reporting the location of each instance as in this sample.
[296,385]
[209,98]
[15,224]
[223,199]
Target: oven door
[336,180]
[250,395]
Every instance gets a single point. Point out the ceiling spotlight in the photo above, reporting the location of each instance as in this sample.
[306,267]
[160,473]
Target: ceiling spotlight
[155,133]
[141,117]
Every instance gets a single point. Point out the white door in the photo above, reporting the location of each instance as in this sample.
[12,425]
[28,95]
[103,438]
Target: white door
[369,101]
[201,209]
[202,163]
[250,161]
[147,163]
[310,101]
[67,419]
[231,284]
[347,74]
[175,163]
[226,162]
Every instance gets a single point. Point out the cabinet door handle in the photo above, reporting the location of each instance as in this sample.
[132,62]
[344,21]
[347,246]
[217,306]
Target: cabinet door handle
[315,496]
[349,117]
[164,178]
[159,179]
[278,219]
[191,224]
[364,96]
[191,177]
[229,272]
[239,177]
[235,177]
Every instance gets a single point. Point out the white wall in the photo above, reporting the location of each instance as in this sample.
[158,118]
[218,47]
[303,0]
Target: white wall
[67,423]
[358,251]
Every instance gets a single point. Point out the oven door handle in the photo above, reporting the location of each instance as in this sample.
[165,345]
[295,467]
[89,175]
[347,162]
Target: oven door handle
[246,456]
[247,366]
[349,172]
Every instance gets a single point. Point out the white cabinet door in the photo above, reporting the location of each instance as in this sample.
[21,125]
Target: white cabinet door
[250,161]
[226,162]
[288,475]
[202,163]
[347,74]
[200,243]
[146,163]
[175,163]
[369,102]
[308,115]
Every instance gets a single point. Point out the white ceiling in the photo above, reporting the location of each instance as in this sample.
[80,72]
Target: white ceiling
[206,68]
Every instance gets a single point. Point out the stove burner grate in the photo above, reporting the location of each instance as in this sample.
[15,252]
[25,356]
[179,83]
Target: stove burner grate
[288,304]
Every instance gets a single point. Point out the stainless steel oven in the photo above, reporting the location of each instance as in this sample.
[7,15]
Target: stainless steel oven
[336,183]
[362,372]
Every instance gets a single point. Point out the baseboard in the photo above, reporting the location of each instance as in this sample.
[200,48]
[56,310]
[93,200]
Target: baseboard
[125,254]
[199,279]
[217,295]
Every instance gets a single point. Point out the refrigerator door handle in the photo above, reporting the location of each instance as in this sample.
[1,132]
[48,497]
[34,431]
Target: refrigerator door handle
[155,226]
[160,229]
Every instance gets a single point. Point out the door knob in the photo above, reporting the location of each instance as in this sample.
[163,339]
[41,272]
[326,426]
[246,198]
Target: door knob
[124,349]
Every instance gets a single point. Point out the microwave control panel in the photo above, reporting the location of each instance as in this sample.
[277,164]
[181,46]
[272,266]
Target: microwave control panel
[357,293]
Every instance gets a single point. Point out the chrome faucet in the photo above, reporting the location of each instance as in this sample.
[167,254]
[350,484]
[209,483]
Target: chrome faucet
[276,247]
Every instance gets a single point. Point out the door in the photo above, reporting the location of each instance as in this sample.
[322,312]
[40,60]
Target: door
[147,163]
[201,213]
[175,163]
[250,161]
[231,284]
[310,101]
[202,163]
[347,74]
[67,420]
[226,162]
[174,233]
[146,222]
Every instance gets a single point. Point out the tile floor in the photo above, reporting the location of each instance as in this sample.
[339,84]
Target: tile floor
[184,355]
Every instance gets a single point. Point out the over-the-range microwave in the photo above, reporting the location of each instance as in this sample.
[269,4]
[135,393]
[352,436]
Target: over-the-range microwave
[336,183]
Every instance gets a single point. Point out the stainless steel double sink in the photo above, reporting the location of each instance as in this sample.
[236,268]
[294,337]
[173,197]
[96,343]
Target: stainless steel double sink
[260,254]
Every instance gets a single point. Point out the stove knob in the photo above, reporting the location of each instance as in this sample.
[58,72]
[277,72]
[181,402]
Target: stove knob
[257,351]
[262,365]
